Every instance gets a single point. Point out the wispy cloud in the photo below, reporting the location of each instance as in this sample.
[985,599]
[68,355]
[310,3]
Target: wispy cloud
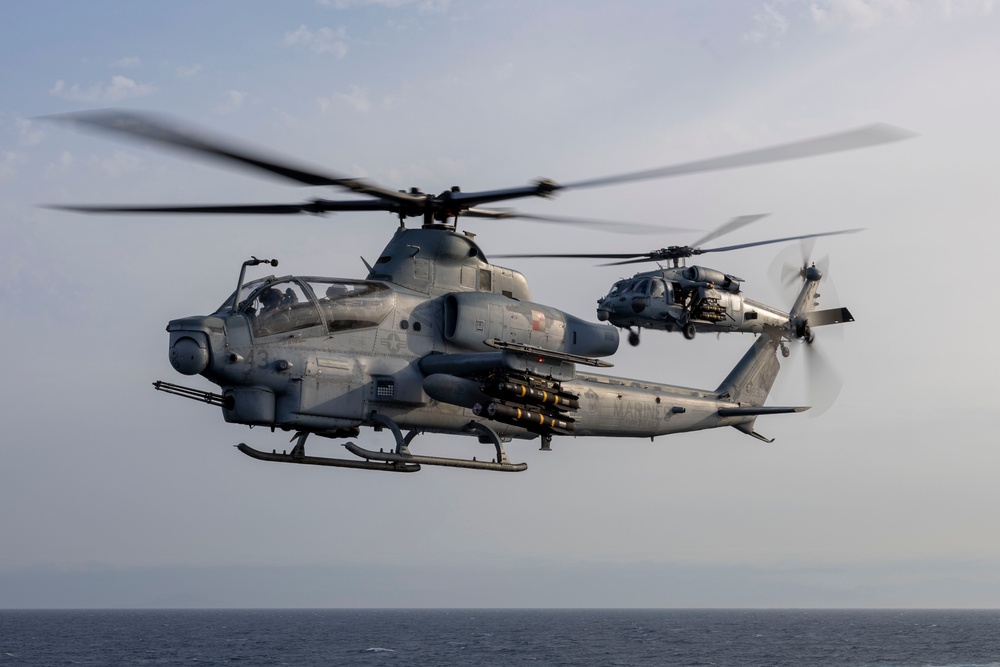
[856,15]
[234,99]
[119,163]
[120,88]
[962,8]
[61,164]
[28,132]
[128,62]
[422,5]
[323,41]
[188,72]
[770,25]
[8,164]
[358,98]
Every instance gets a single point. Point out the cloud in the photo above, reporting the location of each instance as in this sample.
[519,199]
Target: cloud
[8,164]
[120,88]
[856,15]
[422,5]
[188,72]
[962,8]
[127,62]
[234,99]
[771,24]
[323,41]
[61,164]
[118,164]
[28,132]
[358,98]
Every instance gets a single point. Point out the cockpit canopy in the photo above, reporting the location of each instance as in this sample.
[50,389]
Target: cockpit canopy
[281,305]
[645,286]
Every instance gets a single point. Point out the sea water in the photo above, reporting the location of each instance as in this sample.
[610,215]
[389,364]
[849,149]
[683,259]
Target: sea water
[417,638]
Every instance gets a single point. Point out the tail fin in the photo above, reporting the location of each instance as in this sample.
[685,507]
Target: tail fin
[751,379]
[748,385]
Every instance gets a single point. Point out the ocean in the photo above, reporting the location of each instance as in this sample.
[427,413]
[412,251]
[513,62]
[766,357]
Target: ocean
[417,638]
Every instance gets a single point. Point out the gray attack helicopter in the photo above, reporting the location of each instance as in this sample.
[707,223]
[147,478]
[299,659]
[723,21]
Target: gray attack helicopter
[435,339]
[689,299]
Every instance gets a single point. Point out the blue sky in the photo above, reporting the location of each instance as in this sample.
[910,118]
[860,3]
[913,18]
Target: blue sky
[891,489]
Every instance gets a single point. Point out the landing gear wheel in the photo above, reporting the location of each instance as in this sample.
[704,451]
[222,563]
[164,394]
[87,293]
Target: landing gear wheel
[633,338]
[784,350]
[689,331]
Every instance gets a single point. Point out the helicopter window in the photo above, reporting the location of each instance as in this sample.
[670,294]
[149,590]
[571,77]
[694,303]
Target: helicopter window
[245,292]
[619,287]
[353,305]
[656,288]
[641,286]
[281,307]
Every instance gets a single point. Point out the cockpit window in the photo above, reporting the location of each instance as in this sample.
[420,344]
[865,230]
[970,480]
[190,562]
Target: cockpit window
[352,305]
[281,307]
[619,287]
[245,292]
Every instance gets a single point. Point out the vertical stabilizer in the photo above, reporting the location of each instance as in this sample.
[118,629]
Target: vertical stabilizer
[750,381]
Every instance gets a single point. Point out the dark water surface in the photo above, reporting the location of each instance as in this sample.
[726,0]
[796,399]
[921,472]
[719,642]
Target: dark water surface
[417,638]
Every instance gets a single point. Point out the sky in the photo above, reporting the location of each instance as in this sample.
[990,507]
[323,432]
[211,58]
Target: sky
[114,495]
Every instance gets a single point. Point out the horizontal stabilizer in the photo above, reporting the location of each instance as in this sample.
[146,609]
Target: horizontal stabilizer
[819,318]
[753,411]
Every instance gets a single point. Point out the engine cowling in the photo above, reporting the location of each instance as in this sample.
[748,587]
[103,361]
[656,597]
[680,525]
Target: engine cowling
[470,319]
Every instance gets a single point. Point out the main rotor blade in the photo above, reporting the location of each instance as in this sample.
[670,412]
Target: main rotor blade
[871,135]
[168,132]
[570,256]
[316,206]
[699,251]
[725,228]
[608,225]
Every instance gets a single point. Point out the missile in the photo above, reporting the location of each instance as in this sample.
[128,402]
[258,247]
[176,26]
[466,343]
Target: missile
[510,414]
[523,394]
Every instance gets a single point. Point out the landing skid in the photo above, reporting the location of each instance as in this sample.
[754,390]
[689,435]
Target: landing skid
[324,461]
[400,460]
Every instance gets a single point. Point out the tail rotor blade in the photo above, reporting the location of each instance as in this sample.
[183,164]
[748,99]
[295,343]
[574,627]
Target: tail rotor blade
[822,381]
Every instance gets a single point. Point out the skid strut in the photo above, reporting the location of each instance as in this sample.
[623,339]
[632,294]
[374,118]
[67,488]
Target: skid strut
[298,455]
[403,455]
[400,460]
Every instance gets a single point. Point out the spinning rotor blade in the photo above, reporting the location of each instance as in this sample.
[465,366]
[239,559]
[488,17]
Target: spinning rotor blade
[688,251]
[871,135]
[699,251]
[608,225]
[823,383]
[317,206]
[732,225]
[164,131]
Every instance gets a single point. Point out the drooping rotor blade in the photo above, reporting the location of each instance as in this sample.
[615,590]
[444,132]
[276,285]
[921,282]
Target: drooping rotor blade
[871,135]
[608,225]
[699,251]
[168,132]
[725,228]
[316,206]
